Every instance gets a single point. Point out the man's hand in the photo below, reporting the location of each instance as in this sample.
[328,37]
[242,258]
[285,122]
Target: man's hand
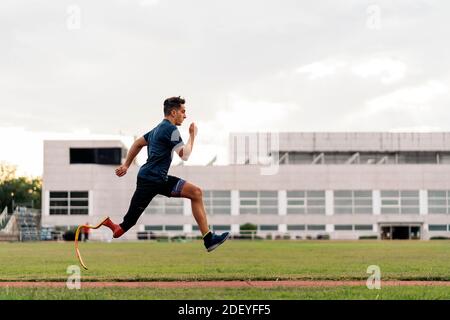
[122,170]
[193,130]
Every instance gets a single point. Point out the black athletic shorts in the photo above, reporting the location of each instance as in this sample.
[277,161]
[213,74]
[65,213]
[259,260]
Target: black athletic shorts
[170,188]
[146,190]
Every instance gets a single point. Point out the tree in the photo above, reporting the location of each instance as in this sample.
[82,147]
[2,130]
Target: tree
[7,172]
[18,190]
[247,229]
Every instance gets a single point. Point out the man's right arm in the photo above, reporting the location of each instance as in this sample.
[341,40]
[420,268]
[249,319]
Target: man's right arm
[185,151]
[134,151]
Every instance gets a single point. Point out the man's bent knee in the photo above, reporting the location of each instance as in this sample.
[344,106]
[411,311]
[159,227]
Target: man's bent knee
[197,193]
[192,192]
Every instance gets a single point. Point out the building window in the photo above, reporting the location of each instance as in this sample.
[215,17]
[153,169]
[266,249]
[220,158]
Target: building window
[248,201]
[217,202]
[163,205]
[356,158]
[258,202]
[63,228]
[305,202]
[173,228]
[296,227]
[353,202]
[300,157]
[268,227]
[221,227]
[154,228]
[417,157]
[438,201]
[350,227]
[112,156]
[437,227]
[69,203]
[315,202]
[58,211]
[404,202]
[296,202]
[343,227]
[316,227]
[363,157]
[444,158]
[163,228]
[363,227]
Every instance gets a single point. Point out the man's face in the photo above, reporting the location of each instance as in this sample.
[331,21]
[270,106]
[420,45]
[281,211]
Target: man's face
[180,115]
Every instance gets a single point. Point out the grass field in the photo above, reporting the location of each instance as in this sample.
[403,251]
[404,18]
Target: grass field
[236,260]
[359,292]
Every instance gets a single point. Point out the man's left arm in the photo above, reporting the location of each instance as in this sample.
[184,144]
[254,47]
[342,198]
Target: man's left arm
[134,150]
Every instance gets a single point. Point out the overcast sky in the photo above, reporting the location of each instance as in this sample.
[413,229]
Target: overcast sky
[87,68]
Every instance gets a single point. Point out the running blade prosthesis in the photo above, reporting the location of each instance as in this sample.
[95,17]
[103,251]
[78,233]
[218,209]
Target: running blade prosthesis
[76,239]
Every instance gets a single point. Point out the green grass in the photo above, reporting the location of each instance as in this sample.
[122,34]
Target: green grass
[335,293]
[235,260]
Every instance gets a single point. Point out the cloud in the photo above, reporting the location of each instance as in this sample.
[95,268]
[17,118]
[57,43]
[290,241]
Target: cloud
[321,69]
[239,115]
[254,115]
[418,107]
[18,146]
[389,70]
[148,3]
[257,65]
[409,99]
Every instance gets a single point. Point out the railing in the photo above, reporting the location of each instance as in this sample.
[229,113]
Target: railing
[11,226]
[3,218]
[242,235]
[9,229]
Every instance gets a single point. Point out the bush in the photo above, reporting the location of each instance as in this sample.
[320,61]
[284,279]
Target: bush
[247,230]
[145,235]
[269,237]
[246,237]
[368,237]
[162,238]
[178,237]
[69,235]
[248,227]
[439,238]
[142,236]
[247,234]
[283,237]
[323,237]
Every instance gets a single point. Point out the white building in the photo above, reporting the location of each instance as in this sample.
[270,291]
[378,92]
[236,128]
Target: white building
[344,185]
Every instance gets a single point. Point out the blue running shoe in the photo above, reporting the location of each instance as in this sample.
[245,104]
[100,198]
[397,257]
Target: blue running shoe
[213,240]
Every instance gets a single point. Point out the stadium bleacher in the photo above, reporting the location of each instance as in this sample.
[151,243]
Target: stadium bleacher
[28,223]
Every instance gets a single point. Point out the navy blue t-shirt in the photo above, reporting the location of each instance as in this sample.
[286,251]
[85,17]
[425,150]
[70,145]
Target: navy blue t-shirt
[161,142]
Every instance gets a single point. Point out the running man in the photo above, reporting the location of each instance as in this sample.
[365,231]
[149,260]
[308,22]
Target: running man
[153,176]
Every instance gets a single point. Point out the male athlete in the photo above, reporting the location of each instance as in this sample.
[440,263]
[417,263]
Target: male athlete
[152,178]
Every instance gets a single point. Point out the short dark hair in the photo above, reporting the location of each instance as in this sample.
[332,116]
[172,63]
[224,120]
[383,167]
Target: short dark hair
[172,103]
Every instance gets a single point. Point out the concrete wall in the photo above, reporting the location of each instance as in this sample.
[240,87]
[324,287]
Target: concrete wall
[340,141]
[110,195]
